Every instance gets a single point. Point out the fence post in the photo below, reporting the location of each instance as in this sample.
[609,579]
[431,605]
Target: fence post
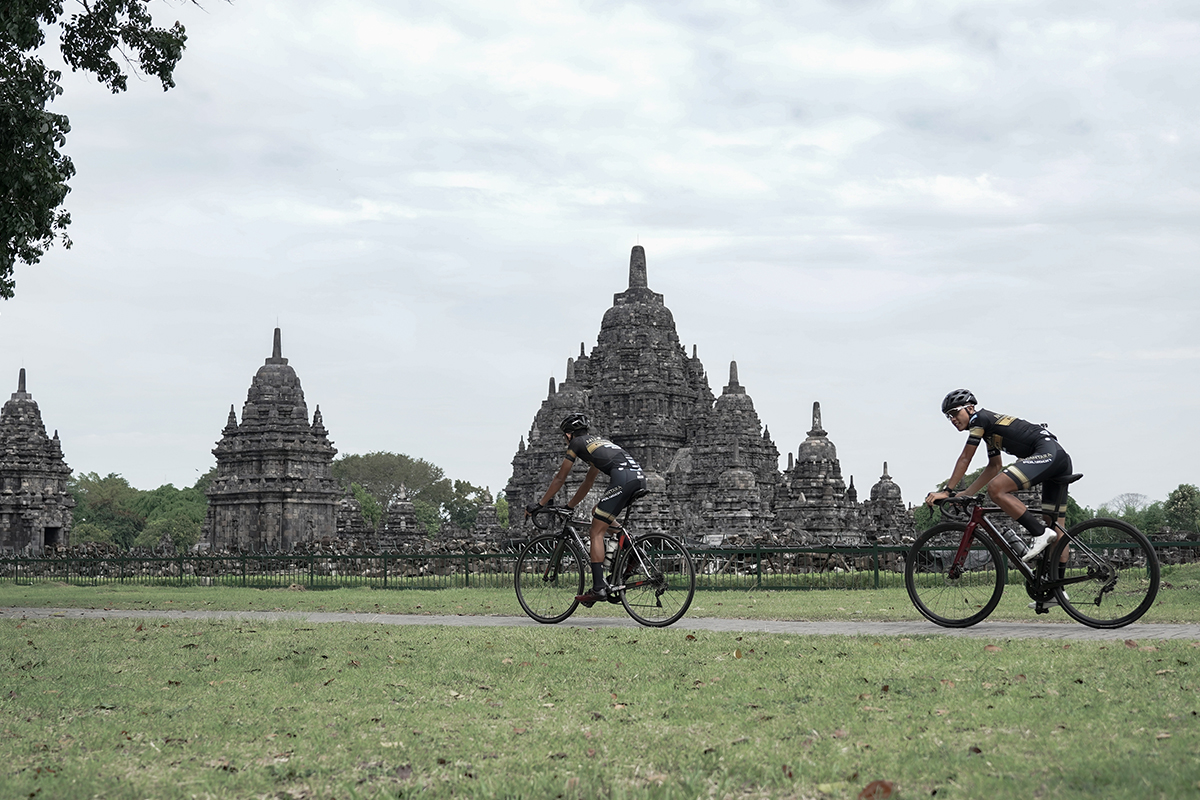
[875,556]
[758,568]
[243,570]
[312,568]
[385,570]
[467,570]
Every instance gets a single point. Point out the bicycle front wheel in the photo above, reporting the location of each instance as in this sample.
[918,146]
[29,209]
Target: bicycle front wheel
[954,600]
[549,573]
[1112,573]
[659,580]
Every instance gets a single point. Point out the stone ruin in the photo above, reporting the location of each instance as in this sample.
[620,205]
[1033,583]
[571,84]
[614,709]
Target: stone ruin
[712,468]
[274,488]
[35,506]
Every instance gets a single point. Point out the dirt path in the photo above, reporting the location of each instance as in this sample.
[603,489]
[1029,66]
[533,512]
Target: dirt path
[984,630]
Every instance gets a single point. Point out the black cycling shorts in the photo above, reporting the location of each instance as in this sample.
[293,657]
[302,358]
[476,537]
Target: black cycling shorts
[625,484]
[1045,464]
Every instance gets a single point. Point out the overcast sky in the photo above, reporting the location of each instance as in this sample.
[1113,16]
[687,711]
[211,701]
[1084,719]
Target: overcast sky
[865,204]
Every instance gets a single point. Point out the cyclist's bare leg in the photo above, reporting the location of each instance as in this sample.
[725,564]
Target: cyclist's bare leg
[599,528]
[1002,491]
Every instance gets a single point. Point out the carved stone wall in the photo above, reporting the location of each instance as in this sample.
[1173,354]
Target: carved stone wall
[35,506]
[274,487]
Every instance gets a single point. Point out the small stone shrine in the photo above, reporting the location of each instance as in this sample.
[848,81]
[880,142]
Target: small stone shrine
[35,506]
[711,466]
[274,487]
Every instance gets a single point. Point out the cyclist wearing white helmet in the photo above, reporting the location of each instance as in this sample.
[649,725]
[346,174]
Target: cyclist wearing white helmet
[1040,459]
[628,482]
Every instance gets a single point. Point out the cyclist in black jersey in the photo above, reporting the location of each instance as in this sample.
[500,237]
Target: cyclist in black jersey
[1040,459]
[627,483]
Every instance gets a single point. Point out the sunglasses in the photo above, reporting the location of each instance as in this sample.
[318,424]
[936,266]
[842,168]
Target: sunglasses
[952,413]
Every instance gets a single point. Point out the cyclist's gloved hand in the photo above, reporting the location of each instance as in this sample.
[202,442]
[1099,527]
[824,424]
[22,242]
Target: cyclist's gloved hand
[533,508]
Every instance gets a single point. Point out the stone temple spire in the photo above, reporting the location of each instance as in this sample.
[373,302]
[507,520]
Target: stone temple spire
[817,430]
[637,268]
[274,487]
[277,351]
[21,381]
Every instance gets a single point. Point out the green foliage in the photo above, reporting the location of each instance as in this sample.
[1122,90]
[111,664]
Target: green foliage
[205,480]
[428,515]
[1182,508]
[372,511]
[463,506]
[386,475]
[109,504]
[502,509]
[180,526]
[108,509]
[90,532]
[33,170]
[1077,513]
[1137,510]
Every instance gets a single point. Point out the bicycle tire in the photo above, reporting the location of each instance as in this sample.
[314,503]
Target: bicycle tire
[954,603]
[659,577]
[546,583]
[1121,570]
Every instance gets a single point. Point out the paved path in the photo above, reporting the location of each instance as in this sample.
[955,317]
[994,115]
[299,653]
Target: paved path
[984,630]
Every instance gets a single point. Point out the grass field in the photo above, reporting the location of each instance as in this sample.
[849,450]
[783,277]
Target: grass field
[121,709]
[1178,601]
[227,709]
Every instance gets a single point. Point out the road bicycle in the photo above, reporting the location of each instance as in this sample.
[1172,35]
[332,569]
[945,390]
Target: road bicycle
[955,572]
[652,575]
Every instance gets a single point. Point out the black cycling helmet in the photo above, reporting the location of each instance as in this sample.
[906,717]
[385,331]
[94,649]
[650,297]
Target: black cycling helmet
[958,398]
[576,423]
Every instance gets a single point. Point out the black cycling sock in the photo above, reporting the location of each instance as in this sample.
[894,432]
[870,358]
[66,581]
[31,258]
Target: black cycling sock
[598,575]
[1032,523]
[1062,570]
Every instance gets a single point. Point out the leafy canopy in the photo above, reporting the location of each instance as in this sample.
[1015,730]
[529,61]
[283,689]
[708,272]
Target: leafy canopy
[33,170]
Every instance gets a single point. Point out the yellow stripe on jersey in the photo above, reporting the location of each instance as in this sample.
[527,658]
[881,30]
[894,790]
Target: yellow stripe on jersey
[1020,476]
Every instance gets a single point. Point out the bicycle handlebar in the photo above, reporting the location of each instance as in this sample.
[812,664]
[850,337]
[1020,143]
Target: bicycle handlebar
[550,513]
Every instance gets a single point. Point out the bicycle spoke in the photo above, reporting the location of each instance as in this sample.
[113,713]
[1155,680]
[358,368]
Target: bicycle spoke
[1112,573]
[659,580]
[548,575]
[949,595]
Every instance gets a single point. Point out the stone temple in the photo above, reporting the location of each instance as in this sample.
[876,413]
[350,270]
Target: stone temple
[35,506]
[712,468]
[274,488]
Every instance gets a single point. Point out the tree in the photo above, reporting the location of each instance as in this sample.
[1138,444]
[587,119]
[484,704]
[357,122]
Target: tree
[1182,508]
[502,509]
[463,507]
[33,170]
[372,512]
[179,526]
[107,505]
[385,475]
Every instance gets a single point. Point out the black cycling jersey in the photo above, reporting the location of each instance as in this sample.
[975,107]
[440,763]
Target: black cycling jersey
[1040,457]
[600,453]
[628,480]
[1010,434]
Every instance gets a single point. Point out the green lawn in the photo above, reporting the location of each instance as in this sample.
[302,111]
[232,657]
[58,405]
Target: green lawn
[1178,601]
[226,709]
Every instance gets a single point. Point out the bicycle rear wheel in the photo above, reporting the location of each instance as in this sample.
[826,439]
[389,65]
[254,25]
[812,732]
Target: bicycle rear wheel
[659,579]
[963,600]
[549,573]
[1113,571]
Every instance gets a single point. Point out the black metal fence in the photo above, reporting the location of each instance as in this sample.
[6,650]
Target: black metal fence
[746,568]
